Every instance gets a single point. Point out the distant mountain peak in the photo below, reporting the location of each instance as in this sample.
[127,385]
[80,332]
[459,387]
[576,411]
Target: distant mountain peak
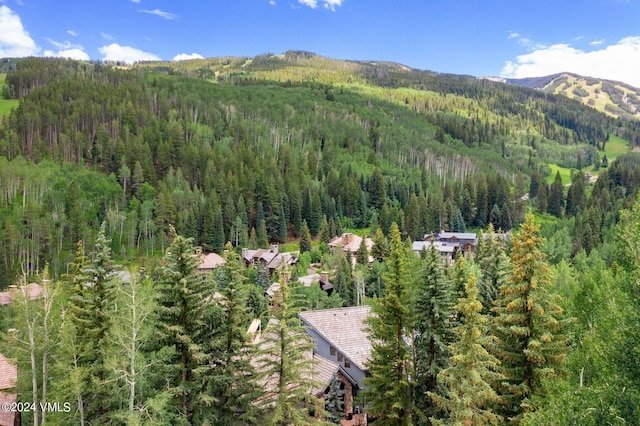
[614,98]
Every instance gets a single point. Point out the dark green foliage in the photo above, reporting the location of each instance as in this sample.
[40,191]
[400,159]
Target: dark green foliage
[334,401]
[433,311]
[556,197]
[469,379]
[390,389]
[282,360]
[362,255]
[305,238]
[188,317]
[343,280]
[380,249]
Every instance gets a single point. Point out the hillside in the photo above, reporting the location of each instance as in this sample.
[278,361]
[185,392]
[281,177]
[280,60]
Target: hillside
[611,97]
[226,148]
[147,166]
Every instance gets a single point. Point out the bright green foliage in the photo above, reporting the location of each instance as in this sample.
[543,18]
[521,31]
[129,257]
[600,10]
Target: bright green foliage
[473,370]
[433,310]
[283,358]
[532,344]
[187,319]
[390,388]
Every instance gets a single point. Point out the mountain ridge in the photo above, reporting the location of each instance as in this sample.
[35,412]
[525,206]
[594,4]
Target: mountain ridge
[615,98]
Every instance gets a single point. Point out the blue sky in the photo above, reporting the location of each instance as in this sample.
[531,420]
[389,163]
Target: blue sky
[510,38]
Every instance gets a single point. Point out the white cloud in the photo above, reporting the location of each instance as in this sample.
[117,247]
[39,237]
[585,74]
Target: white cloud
[328,4]
[66,49]
[186,57]
[272,2]
[106,36]
[64,45]
[620,61]
[597,42]
[15,41]
[128,54]
[72,33]
[74,53]
[135,1]
[161,13]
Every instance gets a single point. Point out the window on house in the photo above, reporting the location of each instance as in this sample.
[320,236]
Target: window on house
[347,363]
[339,357]
[332,350]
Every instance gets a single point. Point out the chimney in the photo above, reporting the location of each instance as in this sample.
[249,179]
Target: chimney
[245,252]
[198,251]
[345,239]
[274,248]
[324,276]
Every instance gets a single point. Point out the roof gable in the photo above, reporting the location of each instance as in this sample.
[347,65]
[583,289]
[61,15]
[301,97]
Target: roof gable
[345,329]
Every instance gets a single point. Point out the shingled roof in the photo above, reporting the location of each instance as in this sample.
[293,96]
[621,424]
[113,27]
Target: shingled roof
[343,328]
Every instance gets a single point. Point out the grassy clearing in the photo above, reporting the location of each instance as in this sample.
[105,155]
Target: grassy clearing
[565,174]
[6,105]
[615,146]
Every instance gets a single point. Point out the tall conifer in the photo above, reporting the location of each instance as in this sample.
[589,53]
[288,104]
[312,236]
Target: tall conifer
[390,387]
[432,330]
[529,326]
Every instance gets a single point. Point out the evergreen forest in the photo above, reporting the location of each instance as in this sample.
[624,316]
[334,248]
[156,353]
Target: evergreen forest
[114,178]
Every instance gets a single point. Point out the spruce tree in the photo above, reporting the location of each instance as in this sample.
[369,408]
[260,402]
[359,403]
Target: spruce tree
[380,249]
[362,255]
[229,376]
[283,358]
[343,280]
[556,196]
[305,238]
[91,308]
[433,309]
[390,387]
[529,326]
[473,369]
[188,317]
[334,404]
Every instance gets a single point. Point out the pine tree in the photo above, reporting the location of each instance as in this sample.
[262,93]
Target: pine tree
[283,358]
[92,315]
[188,317]
[362,255]
[556,196]
[494,264]
[433,311]
[343,280]
[531,342]
[390,388]
[229,378]
[305,238]
[473,369]
[380,249]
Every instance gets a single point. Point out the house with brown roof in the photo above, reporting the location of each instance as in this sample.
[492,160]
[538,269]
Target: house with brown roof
[32,290]
[210,261]
[340,335]
[322,375]
[269,258]
[8,381]
[349,243]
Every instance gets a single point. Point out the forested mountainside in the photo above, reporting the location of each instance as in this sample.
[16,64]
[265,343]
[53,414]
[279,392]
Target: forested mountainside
[611,97]
[267,143]
[103,164]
